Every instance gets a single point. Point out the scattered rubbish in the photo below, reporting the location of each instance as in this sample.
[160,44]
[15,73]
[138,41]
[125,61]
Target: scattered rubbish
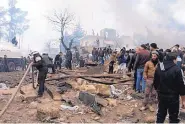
[63,87]
[3,86]
[115,92]
[68,102]
[129,97]
[65,107]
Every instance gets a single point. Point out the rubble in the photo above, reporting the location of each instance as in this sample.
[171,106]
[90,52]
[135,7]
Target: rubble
[101,101]
[149,119]
[112,102]
[3,86]
[84,101]
[48,110]
[71,108]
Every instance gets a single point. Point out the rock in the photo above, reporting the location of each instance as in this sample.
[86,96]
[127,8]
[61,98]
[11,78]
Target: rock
[101,101]
[149,119]
[48,110]
[80,81]
[103,89]
[75,84]
[112,102]
[89,88]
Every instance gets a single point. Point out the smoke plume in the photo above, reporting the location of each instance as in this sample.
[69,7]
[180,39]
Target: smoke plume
[157,20]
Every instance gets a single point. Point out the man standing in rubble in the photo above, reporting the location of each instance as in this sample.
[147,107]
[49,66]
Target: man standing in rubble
[142,57]
[68,59]
[41,66]
[168,82]
[77,54]
[94,54]
[49,61]
[58,60]
[101,56]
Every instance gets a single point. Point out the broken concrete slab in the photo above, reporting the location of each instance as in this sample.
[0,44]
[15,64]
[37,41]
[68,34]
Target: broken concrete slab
[101,101]
[88,88]
[103,90]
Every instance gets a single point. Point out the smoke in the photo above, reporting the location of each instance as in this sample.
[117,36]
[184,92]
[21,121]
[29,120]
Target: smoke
[158,20]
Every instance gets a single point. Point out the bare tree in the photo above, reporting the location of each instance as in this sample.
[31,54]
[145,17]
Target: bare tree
[61,21]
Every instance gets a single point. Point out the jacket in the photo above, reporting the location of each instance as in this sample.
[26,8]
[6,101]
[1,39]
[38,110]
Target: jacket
[47,59]
[149,70]
[69,55]
[142,57]
[101,53]
[183,59]
[58,58]
[170,81]
[39,63]
[113,58]
[131,61]
[121,58]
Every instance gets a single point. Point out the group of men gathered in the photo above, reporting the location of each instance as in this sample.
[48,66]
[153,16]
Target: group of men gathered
[101,54]
[158,74]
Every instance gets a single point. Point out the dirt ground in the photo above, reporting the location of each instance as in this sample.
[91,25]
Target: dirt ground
[124,111]
[11,79]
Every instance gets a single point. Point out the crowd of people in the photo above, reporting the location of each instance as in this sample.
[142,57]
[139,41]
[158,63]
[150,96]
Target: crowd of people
[158,74]
[101,54]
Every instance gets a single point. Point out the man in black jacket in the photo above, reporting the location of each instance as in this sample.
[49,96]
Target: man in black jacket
[169,85]
[41,66]
[58,60]
[68,59]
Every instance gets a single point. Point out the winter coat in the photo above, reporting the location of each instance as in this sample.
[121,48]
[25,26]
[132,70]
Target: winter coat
[149,70]
[58,58]
[169,83]
[47,59]
[113,57]
[142,57]
[122,58]
[101,53]
[69,56]
[131,61]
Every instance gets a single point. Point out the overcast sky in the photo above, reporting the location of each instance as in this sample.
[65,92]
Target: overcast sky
[127,16]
